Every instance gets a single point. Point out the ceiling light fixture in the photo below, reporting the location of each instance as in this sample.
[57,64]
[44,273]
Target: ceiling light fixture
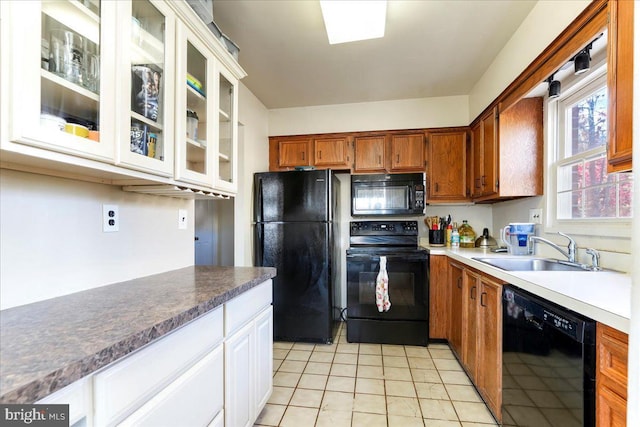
[554,87]
[581,61]
[348,20]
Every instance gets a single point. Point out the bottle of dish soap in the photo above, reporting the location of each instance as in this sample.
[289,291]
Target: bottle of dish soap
[455,236]
[467,235]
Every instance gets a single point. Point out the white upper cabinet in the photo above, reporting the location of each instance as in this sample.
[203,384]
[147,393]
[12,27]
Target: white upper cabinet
[59,75]
[194,113]
[146,71]
[227,136]
[133,92]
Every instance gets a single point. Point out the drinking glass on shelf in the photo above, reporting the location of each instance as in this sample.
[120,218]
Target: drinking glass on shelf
[66,55]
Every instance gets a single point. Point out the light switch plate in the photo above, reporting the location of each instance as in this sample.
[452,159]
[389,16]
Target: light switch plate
[535,216]
[182,219]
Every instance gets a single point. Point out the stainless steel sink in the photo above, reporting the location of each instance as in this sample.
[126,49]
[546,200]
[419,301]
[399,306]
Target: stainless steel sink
[531,264]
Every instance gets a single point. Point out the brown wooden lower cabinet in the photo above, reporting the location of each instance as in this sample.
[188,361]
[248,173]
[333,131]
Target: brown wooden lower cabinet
[611,376]
[455,308]
[438,297]
[475,330]
[489,360]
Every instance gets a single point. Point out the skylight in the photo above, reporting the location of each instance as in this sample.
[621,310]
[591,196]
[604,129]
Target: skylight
[353,20]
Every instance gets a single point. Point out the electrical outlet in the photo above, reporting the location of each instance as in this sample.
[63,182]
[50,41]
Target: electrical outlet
[110,218]
[535,216]
[182,219]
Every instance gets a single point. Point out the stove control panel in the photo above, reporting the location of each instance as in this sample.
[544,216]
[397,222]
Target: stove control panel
[384,228]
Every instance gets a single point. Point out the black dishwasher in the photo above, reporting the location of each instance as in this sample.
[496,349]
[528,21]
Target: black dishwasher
[548,363]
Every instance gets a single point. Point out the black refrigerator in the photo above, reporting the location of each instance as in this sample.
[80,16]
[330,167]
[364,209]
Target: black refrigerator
[294,232]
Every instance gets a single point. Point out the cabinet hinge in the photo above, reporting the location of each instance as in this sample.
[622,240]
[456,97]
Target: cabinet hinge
[497,183]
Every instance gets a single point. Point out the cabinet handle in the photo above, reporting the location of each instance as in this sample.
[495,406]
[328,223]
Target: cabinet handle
[477,180]
[380,160]
[482,296]
[303,155]
[473,293]
[459,282]
[436,185]
[320,155]
[397,158]
[484,180]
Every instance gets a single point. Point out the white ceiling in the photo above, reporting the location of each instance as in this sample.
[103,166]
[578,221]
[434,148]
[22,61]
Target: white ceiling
[431,48]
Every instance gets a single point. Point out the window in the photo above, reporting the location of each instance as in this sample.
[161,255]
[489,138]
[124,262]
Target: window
[584,189]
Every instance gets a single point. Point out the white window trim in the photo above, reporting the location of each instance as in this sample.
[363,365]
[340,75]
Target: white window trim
[619,228]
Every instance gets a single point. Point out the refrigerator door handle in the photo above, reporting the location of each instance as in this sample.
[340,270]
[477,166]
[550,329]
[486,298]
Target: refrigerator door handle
[259,245]
[259,203]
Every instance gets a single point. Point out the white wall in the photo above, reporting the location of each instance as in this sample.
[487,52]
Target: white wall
[52,241]
[544,23]
[253,154]
[401,114]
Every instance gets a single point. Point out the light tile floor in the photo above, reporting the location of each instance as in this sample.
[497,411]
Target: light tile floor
[370,385]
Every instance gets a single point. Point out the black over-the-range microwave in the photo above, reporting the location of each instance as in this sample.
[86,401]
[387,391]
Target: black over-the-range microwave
[387,194]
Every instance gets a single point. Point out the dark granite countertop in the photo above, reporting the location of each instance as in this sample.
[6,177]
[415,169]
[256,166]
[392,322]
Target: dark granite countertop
[49,344]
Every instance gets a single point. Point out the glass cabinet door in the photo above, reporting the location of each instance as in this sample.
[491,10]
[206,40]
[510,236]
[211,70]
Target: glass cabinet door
[195,91]
[56,75]
[227,133]
[147,141]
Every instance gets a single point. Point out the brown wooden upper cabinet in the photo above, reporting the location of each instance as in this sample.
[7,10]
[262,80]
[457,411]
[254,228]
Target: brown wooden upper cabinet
[332,153]
[389,153]
[507,152]
[620,85]
[287,153]
[447,166]
[407,153]
[369,154]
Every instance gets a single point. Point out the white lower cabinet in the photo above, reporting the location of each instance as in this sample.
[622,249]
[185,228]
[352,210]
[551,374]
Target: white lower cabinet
[248,357]
[214,371]
[124,386]
[194,399]
[78,396]
[218,421]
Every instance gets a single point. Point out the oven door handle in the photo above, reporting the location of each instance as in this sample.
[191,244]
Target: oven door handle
[391,257]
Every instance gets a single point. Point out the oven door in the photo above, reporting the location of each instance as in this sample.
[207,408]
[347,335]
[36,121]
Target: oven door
[408,285]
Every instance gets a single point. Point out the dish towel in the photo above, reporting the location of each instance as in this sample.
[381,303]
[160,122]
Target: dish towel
[382,287]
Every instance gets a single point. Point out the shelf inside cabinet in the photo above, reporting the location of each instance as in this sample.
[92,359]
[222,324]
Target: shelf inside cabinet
[196,152]
[224,117]
[195,143]
[147,50]
[77,101]
[195,96]
[75,16]
[140,118]
[224,158]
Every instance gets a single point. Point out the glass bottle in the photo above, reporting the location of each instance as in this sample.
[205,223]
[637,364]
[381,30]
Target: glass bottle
[467,235]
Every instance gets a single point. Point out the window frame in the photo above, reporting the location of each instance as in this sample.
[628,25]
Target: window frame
[603,227]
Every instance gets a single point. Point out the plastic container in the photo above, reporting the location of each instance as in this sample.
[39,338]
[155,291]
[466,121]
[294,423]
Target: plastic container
[467,235]
[455,236]
[53,122]
[203,8]
[233,48]
[192,125]
[76,129]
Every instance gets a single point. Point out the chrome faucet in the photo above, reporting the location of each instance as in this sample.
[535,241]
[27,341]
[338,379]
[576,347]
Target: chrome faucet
[570,253]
